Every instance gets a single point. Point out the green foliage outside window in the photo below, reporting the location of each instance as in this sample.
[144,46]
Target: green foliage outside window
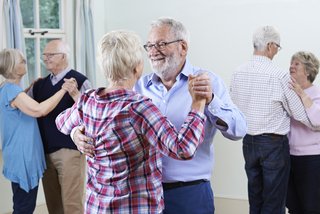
[27,8]
[49,13]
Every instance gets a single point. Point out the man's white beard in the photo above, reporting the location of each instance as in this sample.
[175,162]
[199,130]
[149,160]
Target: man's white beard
[166,70]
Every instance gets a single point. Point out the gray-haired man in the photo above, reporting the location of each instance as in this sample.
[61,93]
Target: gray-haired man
[260,89]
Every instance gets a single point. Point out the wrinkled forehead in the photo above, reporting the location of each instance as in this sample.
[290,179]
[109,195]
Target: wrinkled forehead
[295,60]
[160,33]
[52,47]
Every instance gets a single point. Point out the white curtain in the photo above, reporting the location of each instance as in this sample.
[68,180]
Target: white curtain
[85,59]
[13,29]
[2,42]
[2,34]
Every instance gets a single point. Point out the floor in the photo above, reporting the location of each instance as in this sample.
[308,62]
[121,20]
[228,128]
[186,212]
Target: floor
[222,205]
[41,209]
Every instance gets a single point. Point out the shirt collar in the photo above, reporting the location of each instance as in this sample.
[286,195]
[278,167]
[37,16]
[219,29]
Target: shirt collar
[60,75]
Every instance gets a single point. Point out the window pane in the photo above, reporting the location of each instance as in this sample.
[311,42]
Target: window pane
[27,11]
[31,61]
[50,14]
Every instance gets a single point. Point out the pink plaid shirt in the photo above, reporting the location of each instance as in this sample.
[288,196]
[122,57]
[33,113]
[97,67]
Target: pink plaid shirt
[129,131]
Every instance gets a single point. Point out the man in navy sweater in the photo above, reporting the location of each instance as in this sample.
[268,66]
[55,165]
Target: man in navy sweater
[64,179]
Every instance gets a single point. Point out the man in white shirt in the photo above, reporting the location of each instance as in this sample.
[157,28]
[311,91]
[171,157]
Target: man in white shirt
[63,180]
[261,91]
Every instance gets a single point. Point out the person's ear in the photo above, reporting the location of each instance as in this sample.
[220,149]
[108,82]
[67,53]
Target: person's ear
[137,71]
[268,51]
[184,46]
[269,46]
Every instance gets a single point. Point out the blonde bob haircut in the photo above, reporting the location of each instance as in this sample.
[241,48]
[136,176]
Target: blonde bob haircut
[119,53]
[9,58]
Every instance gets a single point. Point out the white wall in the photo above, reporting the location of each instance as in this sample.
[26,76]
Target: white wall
[221,31]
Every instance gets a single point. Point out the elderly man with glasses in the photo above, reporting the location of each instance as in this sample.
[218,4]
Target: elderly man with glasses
[261,90]
[186,184]
[63,181]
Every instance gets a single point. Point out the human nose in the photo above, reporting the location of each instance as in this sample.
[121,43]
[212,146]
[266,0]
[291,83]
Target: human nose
[292,65]
[44,59]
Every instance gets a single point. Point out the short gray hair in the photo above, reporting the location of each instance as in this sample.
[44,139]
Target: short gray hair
[62,47]
[178,30]
[264,35]
[9,58]
[310,62]
[119,53]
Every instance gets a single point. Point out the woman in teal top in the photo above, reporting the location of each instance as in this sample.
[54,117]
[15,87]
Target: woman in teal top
[22,149]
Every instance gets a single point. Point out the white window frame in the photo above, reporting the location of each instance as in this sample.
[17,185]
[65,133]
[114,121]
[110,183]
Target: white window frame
[52,33]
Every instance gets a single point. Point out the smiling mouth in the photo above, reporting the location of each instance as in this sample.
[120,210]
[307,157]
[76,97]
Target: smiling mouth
[157,59]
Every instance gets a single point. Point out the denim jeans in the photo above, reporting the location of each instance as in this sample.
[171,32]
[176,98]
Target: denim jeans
[23,202]
[304,185]
[267,164]
[195,199]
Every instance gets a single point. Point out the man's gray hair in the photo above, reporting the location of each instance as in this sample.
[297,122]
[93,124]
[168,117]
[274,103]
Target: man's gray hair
[264,35]
[178,30]
[64,48]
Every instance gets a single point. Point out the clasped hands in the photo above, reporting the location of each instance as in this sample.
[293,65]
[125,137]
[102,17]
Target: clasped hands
[71,86]
[200,87]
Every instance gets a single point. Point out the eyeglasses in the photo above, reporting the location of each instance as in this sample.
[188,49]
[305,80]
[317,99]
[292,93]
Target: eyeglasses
[159,45]
[50,55]
[278,46]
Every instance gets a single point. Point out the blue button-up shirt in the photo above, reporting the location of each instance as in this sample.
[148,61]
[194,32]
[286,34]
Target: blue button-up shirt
[176,103]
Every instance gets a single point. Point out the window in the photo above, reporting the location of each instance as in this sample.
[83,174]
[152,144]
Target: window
[43,20]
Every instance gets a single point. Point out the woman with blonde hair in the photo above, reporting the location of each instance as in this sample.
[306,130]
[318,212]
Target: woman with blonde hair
[22,149]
